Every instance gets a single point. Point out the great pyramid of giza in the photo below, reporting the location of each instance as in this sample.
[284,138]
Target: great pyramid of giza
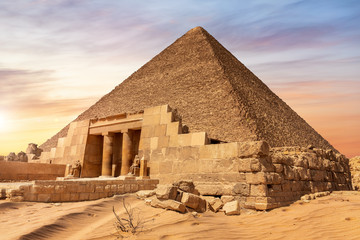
[212,91]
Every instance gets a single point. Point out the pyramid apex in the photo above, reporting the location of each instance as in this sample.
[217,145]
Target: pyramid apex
[197,29]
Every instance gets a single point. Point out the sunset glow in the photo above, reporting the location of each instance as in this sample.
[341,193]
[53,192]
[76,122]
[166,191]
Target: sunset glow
[59,57]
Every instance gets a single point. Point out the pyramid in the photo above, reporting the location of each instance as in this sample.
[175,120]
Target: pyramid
[212,91]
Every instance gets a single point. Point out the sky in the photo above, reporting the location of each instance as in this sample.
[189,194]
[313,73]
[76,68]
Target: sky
[58,57]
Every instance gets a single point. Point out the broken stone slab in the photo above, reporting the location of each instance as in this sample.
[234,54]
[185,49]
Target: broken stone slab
[169,205]
[145,193]
[166,192]
[214,204]
[186,186]
[227,198]
[232,208]
[193,201]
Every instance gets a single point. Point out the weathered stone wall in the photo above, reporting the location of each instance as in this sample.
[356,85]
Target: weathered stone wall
[260,178]
[78,190]
[14,171]
[71,148]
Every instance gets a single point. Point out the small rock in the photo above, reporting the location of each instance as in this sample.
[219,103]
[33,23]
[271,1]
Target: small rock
[57,204]
[232,208]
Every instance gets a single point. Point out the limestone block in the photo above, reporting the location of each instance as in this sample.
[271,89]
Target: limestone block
[172,153]
[144,144]
[232,208]
[184,139]
[257,148]
[145,193]
[227,198]
[219,151]
[242,189]
[151,120]
[215,205]
[173,141]
[147,131]
[193,201]
[152,111]
[166,118]
[163,142]
[206,165]
[258,190]
[187,153]
[59,153]
[166,192]
[173,128]
[61,143]
[214,189]
[198,138]
[169,205]
[160,130]
[154,143]
[73,150]
[185,185]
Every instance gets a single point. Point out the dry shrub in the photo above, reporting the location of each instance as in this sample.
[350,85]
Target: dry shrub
[131,224]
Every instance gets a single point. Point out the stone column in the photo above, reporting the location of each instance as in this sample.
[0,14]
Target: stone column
[107,154]
[127,152]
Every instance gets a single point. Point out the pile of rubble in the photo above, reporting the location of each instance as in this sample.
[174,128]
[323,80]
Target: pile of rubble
[32,153]
[183,197]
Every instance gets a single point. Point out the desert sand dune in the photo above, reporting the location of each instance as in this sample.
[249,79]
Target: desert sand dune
[332,217]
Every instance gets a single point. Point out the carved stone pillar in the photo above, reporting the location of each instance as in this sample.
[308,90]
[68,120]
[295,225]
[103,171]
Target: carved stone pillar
[127,152]
[107,154]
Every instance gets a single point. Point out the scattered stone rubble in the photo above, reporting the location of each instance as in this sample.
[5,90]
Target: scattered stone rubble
[308,197]
[182,197]
[32,153]
[355,172]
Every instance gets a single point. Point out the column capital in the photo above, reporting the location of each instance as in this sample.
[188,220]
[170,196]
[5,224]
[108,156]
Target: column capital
[125,131]
[107,134]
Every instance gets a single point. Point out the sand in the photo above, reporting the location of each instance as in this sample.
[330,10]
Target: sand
[336,216]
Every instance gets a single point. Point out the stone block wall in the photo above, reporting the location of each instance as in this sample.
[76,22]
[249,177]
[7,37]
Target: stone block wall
[15,171]
[261,177]
[71,148]
[78,190]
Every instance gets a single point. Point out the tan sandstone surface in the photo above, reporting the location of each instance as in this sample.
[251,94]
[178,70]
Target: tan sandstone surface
[336,216]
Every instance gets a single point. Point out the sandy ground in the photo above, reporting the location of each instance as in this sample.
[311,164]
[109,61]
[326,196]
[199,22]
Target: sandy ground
[332,217]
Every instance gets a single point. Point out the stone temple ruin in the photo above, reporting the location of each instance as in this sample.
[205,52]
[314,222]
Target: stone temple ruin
[193,112]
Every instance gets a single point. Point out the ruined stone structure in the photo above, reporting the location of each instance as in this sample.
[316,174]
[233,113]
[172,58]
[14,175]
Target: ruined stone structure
[259,176]
[225,130]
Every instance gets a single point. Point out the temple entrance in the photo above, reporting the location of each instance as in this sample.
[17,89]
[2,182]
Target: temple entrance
[111,146]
